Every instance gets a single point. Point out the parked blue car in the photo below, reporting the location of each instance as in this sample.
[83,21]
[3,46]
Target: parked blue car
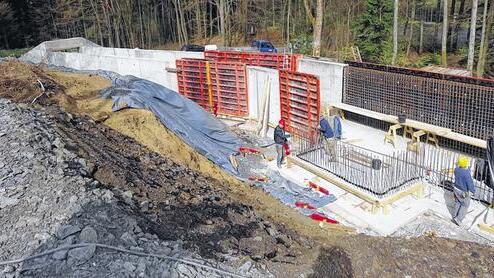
[263,46]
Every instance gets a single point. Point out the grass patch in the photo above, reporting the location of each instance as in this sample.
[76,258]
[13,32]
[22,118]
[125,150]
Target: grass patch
[13,52]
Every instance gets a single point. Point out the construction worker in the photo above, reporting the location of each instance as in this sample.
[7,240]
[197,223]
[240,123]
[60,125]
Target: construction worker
[335,122]
[280,139]
[329,138]
[462,189]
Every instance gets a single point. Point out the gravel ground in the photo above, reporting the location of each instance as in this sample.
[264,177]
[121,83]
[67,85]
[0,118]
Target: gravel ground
[57,191]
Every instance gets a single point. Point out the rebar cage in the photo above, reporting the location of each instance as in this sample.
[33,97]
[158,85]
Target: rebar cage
[382,175]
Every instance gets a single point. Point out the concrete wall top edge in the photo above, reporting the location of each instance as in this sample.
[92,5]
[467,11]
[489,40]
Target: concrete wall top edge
[311,60]
[156,51]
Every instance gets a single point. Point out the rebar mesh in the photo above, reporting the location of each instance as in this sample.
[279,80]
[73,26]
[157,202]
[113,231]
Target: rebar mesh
[464,105]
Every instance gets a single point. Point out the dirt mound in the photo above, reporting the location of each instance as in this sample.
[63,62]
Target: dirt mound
[80,94]
[23,82]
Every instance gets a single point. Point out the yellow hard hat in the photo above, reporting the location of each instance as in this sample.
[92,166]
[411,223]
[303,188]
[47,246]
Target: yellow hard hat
[463,162]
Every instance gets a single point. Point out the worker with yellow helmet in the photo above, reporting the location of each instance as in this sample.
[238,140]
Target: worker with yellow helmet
[463,188]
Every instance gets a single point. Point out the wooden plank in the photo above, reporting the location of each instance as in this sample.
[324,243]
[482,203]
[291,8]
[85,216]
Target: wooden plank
[437,130]
[486,228]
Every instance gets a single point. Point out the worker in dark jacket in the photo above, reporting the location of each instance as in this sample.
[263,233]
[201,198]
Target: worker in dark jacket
[329,138]
[280,138]
[462,189]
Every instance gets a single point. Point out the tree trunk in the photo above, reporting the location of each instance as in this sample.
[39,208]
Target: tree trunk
[179,29]
[288,21]
[451,27]
[421,40]
[83,19]
[395,32]
[198,20]
[471,44]
[486,32]
[222,22]
[95,9]
[411,27]
[444,41]
[316,51]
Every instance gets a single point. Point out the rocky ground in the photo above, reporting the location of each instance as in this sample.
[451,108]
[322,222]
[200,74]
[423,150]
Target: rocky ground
[65,179]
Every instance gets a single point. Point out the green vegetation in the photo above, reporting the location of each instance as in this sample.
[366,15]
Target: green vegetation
[13,52]
[373,31]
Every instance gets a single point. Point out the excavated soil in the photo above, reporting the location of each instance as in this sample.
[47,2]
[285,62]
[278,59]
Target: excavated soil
[215,215]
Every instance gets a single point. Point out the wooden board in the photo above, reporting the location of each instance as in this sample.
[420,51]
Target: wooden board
[440,131]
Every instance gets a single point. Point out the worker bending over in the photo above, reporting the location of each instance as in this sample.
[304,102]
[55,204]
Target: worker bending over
[463,188]
[280,139]
[329,138]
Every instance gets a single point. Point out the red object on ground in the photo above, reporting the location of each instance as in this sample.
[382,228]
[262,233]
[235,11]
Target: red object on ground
[318,188]
[282,123]
[287,148]
[322,218]
[300,204]
[260,179]
[246,150]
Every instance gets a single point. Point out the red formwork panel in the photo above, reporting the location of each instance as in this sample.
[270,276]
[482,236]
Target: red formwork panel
[300,101]
[228,85]
[192,81]
[229,82]
[269,60]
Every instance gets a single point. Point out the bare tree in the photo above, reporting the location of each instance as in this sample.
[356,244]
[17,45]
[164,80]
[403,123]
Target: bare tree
[485,37]
[444,42]
[6,22]
[316,51]
[316,23]
[395,32]
[473,27]
[410,34]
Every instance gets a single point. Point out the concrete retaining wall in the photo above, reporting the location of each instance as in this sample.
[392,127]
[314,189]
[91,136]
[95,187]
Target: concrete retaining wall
[331,76]
[257,77]
[147,64]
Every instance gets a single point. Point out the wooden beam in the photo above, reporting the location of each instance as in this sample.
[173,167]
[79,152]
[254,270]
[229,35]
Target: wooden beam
[486,228]
[437,130]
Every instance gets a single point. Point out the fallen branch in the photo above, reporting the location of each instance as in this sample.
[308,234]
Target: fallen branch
[43,89]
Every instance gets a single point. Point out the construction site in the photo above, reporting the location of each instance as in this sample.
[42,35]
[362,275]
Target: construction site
[155,163]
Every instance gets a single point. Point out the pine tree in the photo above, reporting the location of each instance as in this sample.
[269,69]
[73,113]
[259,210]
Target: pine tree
[374,31]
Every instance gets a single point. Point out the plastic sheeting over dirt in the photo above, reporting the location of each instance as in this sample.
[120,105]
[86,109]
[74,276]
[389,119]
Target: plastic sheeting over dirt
[189,121]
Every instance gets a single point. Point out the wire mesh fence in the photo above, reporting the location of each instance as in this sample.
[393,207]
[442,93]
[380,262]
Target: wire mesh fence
[382,175]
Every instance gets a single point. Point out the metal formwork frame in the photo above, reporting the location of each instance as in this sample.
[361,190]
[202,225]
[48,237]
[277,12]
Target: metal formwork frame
[300,100]
[192,81]
[270,60]
[229,82]
[211,83]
